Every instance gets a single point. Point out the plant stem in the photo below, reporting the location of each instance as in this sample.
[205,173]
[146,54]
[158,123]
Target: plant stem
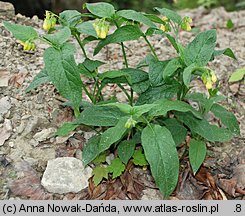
[124,55]
[125,92]
[151,47]
[80,44]
[87,92]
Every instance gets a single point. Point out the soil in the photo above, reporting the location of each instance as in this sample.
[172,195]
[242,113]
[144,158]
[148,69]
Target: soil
[24,115]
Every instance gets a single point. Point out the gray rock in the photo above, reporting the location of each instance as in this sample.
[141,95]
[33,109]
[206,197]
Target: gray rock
[64,175]
[6,9]
[5,105]
[151,194]
[44,134]
[5,131]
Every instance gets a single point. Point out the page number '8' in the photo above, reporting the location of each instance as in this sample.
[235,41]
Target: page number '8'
[238,208]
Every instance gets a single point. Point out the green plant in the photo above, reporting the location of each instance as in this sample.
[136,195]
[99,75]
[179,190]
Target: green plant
[237,75]
[160,118]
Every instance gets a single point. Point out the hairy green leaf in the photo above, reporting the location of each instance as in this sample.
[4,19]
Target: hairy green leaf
[100,116]
[170,14]
[40,78]
[116,168]
[101,9]
[187,73]
[156,72]
[135,16]
[21,32]
[171,68]
[164,106]
[69,17]
[126,150]
[124,33]
[112,135]
[208,131]
[197,154]
[200,50]
[64,74]
[161,153]
[60,37]
[237,75]
[204,102]
[111,75]
[154,18]
[156,93]
[86,28]
[178,131]
[228,52]
[66,128]
[139,78]
[227,118]
[91,150]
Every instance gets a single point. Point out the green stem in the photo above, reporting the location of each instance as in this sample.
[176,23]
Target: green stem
[80,44]
[99,92]
[76,112]
[124,55]
[125,92]
[87,92]
[151,47]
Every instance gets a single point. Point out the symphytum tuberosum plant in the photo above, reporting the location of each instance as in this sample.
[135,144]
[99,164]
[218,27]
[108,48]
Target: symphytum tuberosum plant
[161,116]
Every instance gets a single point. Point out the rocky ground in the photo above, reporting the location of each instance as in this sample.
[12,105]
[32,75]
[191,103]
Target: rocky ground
[28,122]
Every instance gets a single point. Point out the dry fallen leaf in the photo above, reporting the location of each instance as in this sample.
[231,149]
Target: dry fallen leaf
[5,131]
[28,183]
[4,78]
[17,79]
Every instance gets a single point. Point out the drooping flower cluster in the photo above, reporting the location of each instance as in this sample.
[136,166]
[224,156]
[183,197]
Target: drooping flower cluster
[28,45]
[209,78]
[130,123]
[166,26]
[101,27]
[186,23]
[49,21]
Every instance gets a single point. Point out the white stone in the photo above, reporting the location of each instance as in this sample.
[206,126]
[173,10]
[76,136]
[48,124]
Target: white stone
[44,134]
[5,105]
[151,194]
[65,175]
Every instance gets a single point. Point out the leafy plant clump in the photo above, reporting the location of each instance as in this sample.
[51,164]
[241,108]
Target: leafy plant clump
[157,117]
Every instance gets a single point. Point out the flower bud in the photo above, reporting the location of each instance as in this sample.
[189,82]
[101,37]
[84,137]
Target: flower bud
[130,123]
[213,77]
[103,32]
[163,28]
[186,26]
[186,23]
[165,19]
[33,46]
[47,24]
[209,84]
[52,22]
[101,28]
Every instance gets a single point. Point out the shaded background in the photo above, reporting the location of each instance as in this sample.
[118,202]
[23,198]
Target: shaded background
[38,7]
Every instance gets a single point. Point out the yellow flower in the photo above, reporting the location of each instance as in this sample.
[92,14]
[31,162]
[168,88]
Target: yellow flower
[186,23]
[209,84]
[47,24]
[163,28]
[130,123]
[213,77]
[165,19]
[27,46]
[188,27]
[101,28]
